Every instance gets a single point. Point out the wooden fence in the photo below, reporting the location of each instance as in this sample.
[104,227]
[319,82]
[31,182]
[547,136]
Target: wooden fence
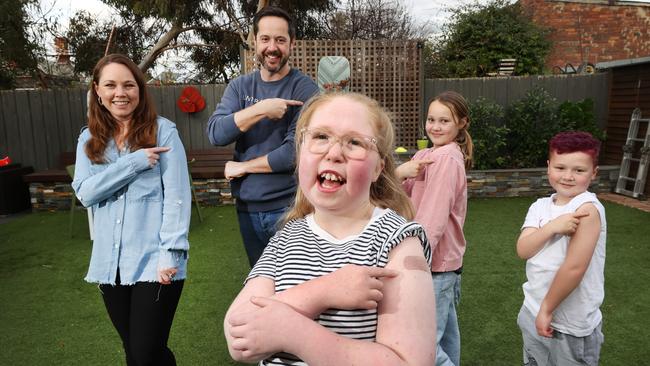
[507,90]
[386,70]
[36,125]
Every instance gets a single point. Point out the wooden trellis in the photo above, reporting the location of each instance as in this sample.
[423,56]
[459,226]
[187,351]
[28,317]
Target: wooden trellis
[387,70]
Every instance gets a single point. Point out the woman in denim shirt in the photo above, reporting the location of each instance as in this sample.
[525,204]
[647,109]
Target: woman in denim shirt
[132,170]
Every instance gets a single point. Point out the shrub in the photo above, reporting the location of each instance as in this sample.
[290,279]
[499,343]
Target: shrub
[579,116]
[531,122]
[488,134]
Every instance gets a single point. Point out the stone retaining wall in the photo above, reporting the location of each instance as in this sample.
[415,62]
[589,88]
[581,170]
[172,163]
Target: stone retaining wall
[480,183]
[58,195]
[529,182]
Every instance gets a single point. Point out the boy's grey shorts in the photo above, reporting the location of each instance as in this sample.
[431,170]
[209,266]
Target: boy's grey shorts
[563,349]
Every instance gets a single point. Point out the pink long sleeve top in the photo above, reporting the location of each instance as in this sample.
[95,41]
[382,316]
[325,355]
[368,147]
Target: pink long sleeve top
[439,196]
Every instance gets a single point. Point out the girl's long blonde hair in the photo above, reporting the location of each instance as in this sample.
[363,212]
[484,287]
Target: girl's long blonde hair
[387,191]
[460,110]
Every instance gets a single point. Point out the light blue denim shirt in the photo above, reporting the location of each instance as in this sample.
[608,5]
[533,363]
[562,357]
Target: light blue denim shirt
[141,214]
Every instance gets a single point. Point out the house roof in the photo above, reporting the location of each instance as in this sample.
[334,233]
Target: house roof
[621,63]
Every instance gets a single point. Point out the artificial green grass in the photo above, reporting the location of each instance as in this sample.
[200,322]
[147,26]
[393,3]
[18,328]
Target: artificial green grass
[50,316]
[493,275]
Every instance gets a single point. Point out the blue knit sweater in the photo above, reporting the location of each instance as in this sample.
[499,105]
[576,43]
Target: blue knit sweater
[267,191]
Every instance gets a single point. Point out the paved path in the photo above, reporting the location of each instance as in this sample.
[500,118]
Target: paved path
[625,201]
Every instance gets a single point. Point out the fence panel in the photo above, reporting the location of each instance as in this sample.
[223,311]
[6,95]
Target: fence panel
[37,125]
[174,114]
[156,97]
[3,131]
[506,91]
[199,121]
[25,136]
[168,110]
[78,112]
[67,136]
[12,148]
[39,131]
[50,127]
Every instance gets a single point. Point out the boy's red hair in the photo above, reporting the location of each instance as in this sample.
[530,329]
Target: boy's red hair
[575,141]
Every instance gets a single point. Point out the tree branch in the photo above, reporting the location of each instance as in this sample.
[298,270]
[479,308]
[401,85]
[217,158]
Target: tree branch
[230,13]
[260,4]
[158,48]
[164,42]
[189,45]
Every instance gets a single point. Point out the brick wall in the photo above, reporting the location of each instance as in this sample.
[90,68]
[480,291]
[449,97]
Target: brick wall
[593,31]
[480,183]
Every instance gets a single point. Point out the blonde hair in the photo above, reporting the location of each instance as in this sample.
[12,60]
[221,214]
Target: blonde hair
[387,191]
[460,110]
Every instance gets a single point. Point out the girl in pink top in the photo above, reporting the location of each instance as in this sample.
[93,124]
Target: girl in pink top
[436,182]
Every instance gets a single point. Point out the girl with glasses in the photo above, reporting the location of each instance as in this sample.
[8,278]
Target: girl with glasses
[346,280]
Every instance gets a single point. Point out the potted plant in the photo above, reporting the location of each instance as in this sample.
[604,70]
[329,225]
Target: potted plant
[422,143]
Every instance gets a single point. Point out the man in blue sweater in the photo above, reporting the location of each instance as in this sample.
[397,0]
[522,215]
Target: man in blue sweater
[258,112]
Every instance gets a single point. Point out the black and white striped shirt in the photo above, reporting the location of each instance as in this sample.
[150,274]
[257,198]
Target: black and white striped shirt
[302,251]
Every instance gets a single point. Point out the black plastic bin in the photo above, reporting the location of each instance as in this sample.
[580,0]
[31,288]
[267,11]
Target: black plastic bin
[14,193]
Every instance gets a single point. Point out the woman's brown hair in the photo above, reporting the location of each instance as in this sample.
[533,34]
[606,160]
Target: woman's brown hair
[103,127]
[460,110]
[387,191]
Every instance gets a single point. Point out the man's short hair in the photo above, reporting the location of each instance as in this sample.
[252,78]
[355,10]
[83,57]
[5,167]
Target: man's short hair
[575,141]
[273,11]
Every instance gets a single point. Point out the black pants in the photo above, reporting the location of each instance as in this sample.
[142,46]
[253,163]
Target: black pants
[143,315]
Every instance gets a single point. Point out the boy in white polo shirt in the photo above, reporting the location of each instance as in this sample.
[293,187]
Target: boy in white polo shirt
[563,242]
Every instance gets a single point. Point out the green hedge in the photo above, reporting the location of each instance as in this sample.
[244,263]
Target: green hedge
[517,137]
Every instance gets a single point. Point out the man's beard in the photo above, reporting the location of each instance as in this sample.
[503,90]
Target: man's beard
[262,61]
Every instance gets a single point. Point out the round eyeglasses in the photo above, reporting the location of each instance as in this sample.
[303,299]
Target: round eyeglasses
[353,146]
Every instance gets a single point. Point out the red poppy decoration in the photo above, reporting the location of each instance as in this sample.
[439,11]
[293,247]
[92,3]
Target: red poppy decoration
[5,161]
[191,100]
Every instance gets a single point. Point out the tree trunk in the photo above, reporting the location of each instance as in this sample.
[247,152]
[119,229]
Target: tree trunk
[250,39]
[261,4]
[157,49]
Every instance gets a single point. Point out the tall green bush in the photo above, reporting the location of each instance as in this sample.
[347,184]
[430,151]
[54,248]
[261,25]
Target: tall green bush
[488,134]
[579,116]
[517,137]
[531,122]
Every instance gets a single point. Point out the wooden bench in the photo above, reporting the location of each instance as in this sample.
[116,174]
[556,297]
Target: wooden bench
[208,164]
[54,175]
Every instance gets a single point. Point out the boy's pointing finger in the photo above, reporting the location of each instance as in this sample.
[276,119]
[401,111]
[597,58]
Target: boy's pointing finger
[579,215]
